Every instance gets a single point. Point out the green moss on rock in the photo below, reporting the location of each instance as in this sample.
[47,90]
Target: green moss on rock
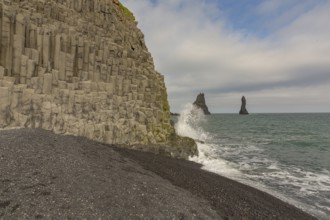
[166,106]
[126,11]
[182,147]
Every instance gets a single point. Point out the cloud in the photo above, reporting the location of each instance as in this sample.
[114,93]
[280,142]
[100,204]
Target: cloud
[198,50]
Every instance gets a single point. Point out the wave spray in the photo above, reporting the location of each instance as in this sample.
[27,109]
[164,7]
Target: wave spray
[190,124]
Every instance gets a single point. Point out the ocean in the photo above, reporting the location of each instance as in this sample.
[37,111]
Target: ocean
[286,155]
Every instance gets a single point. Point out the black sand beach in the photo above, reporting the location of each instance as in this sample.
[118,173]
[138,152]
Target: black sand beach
[48,176]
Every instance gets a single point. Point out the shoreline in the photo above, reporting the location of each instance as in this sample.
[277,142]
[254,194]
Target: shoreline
[231,199]
[46,175]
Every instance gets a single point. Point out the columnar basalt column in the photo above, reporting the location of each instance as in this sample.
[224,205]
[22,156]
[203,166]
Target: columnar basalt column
[82,67]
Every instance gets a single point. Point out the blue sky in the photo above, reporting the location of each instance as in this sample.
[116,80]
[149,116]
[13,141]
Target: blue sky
[261,18]
[275,52]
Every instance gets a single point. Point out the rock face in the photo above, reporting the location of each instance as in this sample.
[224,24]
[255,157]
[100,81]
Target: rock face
[80,67]
[243,110]
[200,103]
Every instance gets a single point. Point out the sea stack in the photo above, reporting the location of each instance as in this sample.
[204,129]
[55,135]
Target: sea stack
[243,110]
[200,103]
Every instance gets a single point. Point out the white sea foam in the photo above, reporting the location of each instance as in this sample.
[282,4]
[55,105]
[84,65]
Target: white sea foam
[307,182]
[189,125]
[248,163]
[211,162]
[302,184]
[273,166]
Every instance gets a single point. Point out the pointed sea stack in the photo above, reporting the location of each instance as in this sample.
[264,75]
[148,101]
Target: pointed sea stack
[200,103]
[243,110]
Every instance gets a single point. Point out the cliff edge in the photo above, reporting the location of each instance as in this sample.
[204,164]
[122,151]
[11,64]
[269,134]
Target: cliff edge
[81,67]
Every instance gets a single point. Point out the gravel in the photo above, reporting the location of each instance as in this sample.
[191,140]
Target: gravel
[50,176]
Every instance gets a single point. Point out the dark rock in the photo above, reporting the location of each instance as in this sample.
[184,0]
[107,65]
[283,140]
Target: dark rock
[243,110]
[232,200]
[48,176]
[76,178]
[200,103]
[177,147]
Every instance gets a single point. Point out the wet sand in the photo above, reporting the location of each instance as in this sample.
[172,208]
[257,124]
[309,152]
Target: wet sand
[48,176]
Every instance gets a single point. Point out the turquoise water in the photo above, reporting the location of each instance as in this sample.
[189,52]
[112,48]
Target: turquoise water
[287,155]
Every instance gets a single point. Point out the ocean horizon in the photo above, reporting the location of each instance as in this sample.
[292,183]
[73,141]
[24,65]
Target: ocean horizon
[257,113]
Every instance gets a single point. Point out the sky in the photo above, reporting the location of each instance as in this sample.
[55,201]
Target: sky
[274,52]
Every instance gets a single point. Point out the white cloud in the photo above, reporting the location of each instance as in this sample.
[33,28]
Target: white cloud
[195,51]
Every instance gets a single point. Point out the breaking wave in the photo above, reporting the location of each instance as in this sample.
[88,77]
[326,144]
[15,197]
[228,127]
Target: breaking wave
[249,161]
[189,124]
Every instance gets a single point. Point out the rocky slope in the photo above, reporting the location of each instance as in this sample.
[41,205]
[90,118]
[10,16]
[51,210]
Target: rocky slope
[81,67]
[66,177]
[48,176]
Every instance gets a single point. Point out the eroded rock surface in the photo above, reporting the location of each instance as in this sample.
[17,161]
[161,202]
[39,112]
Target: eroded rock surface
[243,110]
[80,67]
[200,103]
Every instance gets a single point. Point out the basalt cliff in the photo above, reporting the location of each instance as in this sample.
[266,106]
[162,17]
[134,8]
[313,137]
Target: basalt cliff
[82,67]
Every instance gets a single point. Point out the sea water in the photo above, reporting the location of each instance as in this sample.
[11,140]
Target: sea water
[286,155]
